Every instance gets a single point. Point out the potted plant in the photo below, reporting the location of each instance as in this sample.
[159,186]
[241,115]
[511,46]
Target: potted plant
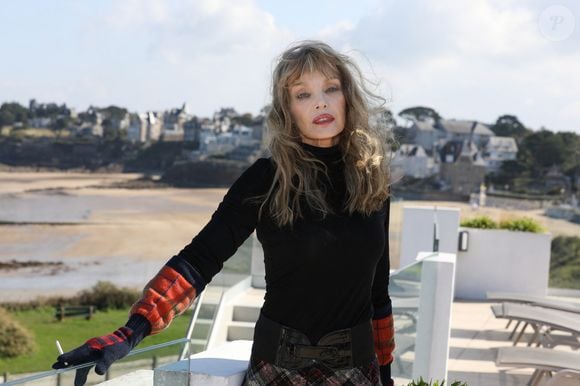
[510,256]
[422,382]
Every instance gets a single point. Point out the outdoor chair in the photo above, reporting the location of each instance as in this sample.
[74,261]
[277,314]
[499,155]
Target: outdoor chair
[543,360]
[565,378]
[544,322]
[514,297]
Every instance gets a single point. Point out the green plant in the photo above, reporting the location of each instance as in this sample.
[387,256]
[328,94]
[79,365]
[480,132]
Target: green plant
[15,340]
[524,224]
[72,332]
[422,382]
[565,262]
[105,295]
[481,222]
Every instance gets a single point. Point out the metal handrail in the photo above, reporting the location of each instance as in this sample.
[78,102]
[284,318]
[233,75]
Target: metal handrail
[183,354]
[52,373]
[214,319]
[192,321]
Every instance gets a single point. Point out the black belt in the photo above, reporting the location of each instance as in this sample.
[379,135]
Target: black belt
[291,349]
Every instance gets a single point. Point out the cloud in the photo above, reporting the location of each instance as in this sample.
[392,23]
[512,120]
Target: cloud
[571,111]
[213,52]
[476,59]
[406,32]
[187,30]
[132,13]
[336,29]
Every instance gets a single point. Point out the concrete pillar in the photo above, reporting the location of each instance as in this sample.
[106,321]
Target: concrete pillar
[434,321]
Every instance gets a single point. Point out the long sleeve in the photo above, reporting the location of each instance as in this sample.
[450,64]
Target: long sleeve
[231,224]
[186,274]
[383,324]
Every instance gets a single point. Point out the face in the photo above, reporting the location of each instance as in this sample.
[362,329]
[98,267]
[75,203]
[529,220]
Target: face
[317,106]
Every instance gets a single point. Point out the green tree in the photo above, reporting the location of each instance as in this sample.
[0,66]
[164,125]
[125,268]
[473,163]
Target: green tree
[509,171]
[543,149]
[386,116]
[60,124]
[109,131]
[13,112]
[571,155]
[89,116]
[244,119]
[419,113]
[510,126]
[112,116]
[114,112]
[6,118]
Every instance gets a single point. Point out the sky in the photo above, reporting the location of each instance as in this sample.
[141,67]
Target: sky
[474,60]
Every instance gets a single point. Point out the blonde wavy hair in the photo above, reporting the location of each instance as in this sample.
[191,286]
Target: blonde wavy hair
[363,145]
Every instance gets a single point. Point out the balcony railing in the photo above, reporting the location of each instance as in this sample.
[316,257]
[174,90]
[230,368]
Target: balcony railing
[421,292]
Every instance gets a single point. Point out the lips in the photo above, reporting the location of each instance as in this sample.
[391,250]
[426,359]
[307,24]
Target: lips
[323,119]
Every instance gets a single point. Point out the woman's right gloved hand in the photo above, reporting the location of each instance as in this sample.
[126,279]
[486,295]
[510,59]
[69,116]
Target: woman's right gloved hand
[104,350]
[168,294]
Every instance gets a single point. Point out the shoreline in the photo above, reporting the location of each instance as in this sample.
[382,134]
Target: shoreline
[126,235]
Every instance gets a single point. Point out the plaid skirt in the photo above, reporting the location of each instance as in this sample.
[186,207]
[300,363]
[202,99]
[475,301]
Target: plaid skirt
[263,373]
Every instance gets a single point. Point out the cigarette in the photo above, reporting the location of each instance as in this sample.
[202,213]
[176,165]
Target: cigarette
[59,347]
[60,351]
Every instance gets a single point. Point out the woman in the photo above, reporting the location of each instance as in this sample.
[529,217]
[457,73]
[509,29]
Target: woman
[320,208]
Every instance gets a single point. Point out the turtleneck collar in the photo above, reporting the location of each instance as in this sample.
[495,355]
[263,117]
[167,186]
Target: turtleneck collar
[325,153]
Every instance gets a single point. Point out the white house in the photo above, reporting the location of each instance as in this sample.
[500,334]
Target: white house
[425,134]
[498,150]
[136,130]
[144,127]
[429,132]
[412,160]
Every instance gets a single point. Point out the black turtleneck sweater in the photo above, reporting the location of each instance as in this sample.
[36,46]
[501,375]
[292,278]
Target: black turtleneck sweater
[321,274]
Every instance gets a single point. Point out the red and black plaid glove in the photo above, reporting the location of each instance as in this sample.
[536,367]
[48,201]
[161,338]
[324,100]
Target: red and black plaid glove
[384,336]
[104,350]
[167,295]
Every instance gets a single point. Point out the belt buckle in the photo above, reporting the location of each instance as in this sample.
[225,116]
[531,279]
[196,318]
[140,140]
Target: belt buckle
[295,351]
[313,352]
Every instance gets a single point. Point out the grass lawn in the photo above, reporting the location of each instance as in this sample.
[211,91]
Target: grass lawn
[565,262]
[72,332]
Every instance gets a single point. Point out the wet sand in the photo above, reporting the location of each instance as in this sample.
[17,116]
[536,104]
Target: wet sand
[119,235]
[125,235]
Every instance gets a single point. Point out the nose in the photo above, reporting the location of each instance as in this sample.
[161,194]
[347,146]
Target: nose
[321,105]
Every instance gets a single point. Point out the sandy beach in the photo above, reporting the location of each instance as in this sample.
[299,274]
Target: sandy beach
[125,235]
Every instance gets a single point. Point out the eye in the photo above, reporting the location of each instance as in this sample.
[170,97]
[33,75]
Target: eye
[333,89]
[302,95]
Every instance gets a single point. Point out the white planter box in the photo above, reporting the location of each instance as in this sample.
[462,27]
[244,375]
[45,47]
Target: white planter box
[502,260]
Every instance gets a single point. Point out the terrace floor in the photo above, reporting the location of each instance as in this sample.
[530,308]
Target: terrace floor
[475,336]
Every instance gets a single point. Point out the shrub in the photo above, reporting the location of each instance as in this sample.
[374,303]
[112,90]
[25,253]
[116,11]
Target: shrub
[481,222]
[37,303]
[15,340]
[105,295]
[565,251]
[422,382]
[565,262]
[522,225]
